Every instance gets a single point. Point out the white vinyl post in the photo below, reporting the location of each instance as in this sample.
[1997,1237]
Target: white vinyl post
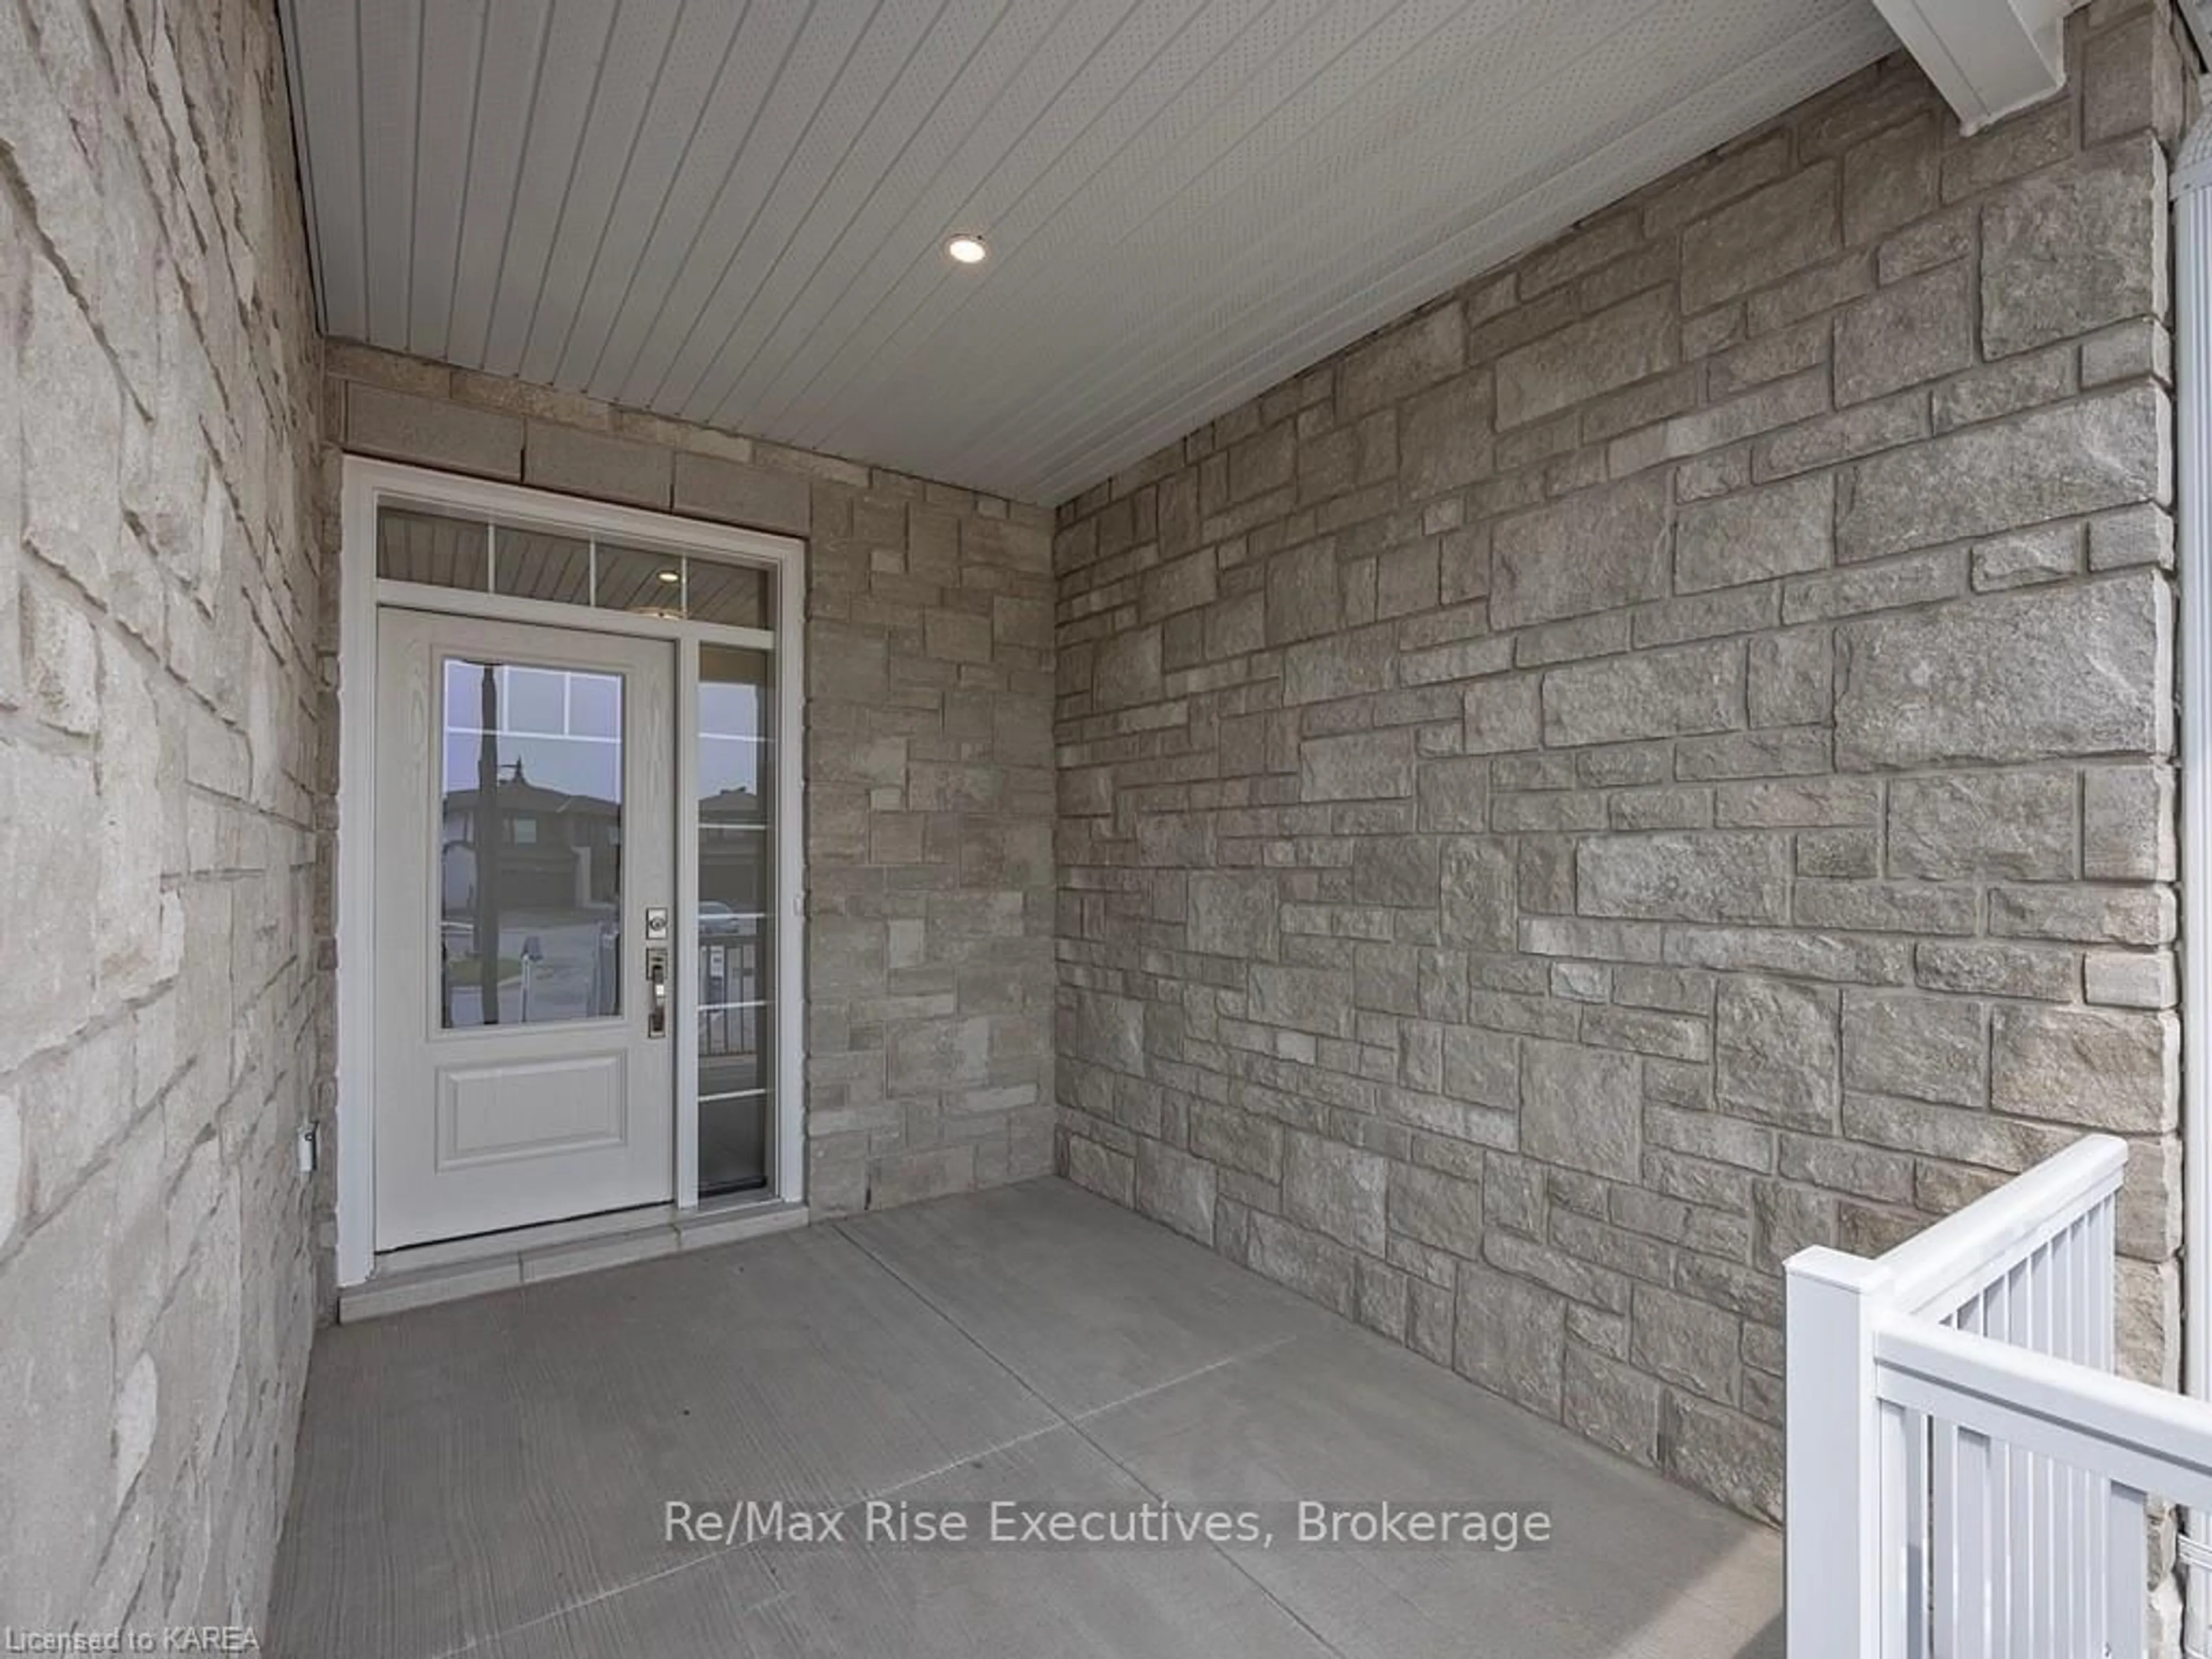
[1833,1538]
[2191,185]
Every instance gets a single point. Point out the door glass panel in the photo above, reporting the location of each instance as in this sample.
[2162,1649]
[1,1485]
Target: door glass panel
[734,595]
[645,584]
[530,835]
[537,564]
[737,932]
[430,549]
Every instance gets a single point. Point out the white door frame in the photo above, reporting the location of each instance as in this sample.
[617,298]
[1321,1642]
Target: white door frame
[368,484]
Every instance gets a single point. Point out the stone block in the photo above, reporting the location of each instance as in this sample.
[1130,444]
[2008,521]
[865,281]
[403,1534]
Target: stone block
[1482,1066]
[593,463]
[2075,246]
[2015,825]
[1437,1209]
[950,637]
[1921,1047]
[1236,1140]
[1624,344]
[431,432]
[1103,1029]
[1790,678]
[1099,1169]
[1477,892]
[2130,979]
[1318,1000]
[1614,1404]
[735,492]
[1503,714]
[2023,675]
[1174,1188]
[1909,332]
[1454,792]
[2110,450]
[1510,1337]
[1686,876]
[1350,664]
[1359,766]
[60,1391]
[946,1054]
[1776,1053]
[1652,694]
[1305,595]
[2084,914]
[72,440]
[1395,871]
[1890,180]
[1410,357]
[2132,535]
[2131,81]
[2094,1068]
[2128,830]
[1735,1458]
[1314,1267]
[48,806]
[2044,554]
[1596,550]
[911,1178]
[1443,436]
[1685,1342]
[1383,1302]
[1581,1108]
[1336,1190]
[1755,535]
[2009,970]
[1127,670]
[1782,228]
[1232,914]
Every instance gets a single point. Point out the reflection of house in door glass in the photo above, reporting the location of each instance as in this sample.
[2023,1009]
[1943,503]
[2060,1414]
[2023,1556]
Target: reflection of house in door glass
[531,836]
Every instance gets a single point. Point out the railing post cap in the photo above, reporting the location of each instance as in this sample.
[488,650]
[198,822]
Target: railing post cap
[1817,1264]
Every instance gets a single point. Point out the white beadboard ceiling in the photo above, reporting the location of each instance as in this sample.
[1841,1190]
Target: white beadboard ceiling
[733,211]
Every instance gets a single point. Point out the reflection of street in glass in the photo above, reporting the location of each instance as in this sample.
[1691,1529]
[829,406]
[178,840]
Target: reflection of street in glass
[551,966]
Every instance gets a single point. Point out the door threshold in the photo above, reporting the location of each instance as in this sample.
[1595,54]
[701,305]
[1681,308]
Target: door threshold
[425,1274]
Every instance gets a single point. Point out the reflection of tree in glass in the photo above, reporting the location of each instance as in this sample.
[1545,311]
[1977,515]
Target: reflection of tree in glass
[488,848]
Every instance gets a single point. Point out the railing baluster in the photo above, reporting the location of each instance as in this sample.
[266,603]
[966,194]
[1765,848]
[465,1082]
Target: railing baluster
[1915,1475]
[1898,1546]
[2126,1580]
[1974,1635]
[1949,1611]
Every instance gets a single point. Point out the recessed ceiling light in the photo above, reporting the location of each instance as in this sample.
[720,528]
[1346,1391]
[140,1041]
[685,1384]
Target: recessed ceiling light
[671,576]
[968,250]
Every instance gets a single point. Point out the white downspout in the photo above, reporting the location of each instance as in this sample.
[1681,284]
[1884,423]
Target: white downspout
[2192,377]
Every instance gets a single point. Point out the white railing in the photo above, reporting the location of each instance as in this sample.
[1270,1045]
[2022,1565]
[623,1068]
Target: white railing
[1967,1477]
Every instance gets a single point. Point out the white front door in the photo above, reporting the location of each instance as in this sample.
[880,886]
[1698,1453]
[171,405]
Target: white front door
[525,886]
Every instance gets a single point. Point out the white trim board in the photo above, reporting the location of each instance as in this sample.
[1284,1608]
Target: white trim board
[368,484]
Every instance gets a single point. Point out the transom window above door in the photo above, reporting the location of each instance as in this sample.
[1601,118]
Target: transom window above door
[490,555]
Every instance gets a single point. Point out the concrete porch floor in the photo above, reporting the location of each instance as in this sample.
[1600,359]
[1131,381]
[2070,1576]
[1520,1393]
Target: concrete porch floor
[487,1477]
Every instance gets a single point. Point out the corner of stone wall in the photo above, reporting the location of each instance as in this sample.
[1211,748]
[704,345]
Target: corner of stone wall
[1661,758]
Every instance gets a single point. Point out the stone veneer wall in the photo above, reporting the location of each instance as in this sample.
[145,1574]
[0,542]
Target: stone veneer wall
[159,581]
[1660,759]
[928,763]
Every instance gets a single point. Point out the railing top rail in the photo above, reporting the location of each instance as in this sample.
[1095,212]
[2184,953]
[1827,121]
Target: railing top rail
[1934,1272]
[2147,1439]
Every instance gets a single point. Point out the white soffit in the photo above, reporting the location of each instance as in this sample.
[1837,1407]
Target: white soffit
[735,212]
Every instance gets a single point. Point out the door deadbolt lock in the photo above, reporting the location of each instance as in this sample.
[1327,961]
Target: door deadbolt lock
[656,986]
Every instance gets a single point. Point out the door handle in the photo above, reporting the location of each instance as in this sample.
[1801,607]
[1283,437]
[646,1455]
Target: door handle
[656,986]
